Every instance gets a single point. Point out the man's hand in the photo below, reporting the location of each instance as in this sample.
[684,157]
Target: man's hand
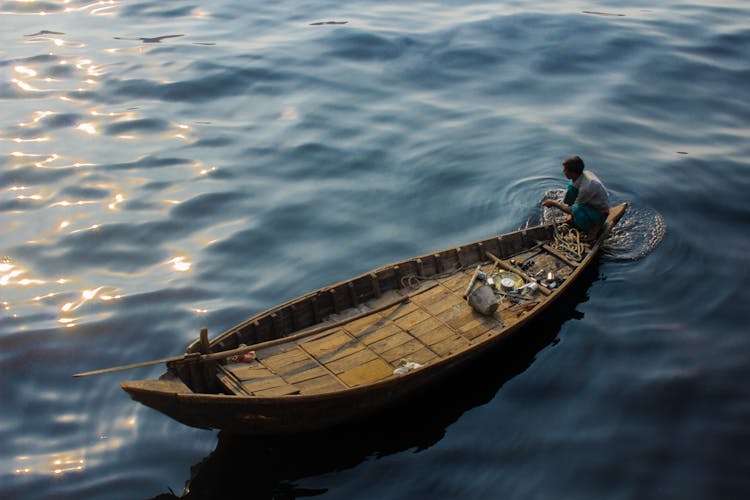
[557,205]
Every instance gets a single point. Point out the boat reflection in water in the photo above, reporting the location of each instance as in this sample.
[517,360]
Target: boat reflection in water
[267,467]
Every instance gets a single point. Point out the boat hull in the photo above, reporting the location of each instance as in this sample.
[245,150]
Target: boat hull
[291,414]
[250,411]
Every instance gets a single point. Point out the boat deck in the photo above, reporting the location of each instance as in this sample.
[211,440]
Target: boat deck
[430,326]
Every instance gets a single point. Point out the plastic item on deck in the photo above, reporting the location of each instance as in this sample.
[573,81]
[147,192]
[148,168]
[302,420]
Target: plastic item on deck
[248,357]
[406,367]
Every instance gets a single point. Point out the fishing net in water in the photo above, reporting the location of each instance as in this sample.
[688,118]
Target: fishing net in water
[549,214]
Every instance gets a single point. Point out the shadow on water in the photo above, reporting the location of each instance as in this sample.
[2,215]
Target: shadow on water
[267,467]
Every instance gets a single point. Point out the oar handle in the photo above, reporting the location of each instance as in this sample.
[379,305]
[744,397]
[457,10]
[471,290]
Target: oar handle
[138,365]
[472,281]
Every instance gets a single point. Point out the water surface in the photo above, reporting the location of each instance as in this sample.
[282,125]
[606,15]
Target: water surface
[168,166]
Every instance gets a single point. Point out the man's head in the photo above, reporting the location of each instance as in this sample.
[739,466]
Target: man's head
[572,167]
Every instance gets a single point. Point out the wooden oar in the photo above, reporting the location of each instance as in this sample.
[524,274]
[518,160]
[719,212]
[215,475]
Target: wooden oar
[218,356]
[138,365]
[472,281]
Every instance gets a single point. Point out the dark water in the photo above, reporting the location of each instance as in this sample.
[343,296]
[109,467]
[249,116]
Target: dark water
[168,165]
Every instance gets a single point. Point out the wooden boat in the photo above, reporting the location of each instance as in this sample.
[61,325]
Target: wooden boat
[355,347]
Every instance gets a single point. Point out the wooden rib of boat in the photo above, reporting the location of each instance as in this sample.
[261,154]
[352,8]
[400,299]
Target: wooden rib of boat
[346,350]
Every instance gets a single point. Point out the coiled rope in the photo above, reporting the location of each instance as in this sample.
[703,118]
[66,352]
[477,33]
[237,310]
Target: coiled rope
[568,240]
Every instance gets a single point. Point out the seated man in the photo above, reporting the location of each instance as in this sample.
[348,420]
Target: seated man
[586,200]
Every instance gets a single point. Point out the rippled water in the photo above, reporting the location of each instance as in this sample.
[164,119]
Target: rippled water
[167,165]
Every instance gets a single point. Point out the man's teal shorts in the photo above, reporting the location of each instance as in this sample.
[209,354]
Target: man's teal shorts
[586,217]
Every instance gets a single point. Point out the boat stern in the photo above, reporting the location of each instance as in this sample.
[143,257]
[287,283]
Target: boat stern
[162,395]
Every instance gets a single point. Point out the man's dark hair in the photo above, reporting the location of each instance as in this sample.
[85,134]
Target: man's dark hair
[574,164]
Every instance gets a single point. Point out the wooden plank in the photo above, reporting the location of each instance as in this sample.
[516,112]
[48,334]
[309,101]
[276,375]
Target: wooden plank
[375,284]
[423,356]
[473,329]
[357,326]
[249,371]
[432,332]
[467,322]
[457,314]
[292,369]
[395,313]
[314,371]
[373,335]
[353,294]
[430,295]
[264,383]
[450,345]
[390,342]
[232,386]
[420,267]
[276,325]
[441,301]
[339,344]
[502,247]
[397,274]
[438,262]
[460,256]
[333,346]
[230,382]
[316,308]
[409,320]
[446,300]
[367,373]
[273,350]
[457,283]
[403,351]
[449,260]
[508,317]
[332,292]
[320,385]
[277,362]
[282,390]
[494,330]
[352,361]
[294,313]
